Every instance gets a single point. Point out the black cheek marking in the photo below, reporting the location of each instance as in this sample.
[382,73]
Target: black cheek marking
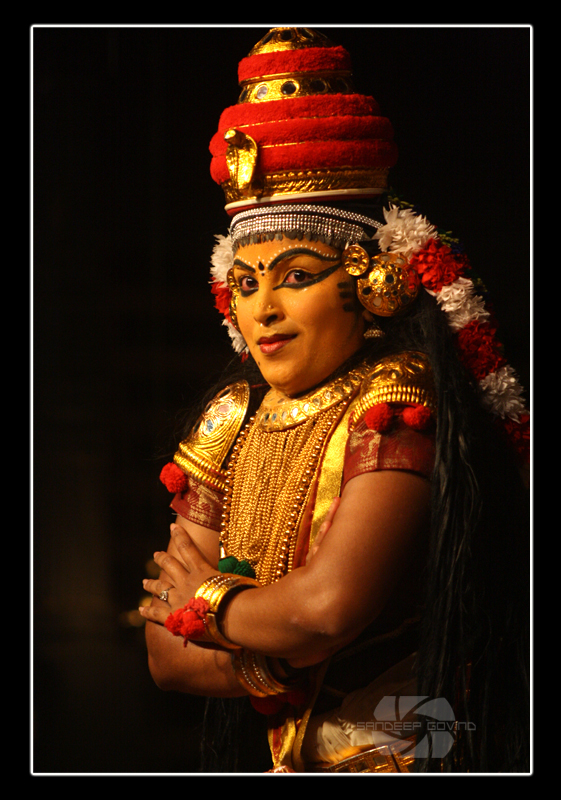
[344,295]
[350,307]
[345,285]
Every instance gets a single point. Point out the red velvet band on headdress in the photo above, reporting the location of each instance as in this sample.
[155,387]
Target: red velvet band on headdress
[317,155]
[338,131]
[311,59]
[315,107]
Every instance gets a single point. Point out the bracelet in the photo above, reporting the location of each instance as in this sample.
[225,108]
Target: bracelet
[197,620]
[253,671]
[214,591]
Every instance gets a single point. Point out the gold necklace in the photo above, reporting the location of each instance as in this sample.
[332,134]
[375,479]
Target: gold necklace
[268,485]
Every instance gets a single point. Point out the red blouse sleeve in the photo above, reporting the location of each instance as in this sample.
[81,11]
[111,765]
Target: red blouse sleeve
[400,448]
[199,504]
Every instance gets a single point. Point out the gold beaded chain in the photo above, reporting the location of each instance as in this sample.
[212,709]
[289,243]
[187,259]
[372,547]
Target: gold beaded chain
[268,483]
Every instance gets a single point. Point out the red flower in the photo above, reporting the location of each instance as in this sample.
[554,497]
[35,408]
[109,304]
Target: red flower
[174,479]
[519,435]
[437,265]
[222,297]
[480,352]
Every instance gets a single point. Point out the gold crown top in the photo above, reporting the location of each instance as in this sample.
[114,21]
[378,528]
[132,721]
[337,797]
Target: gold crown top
[278,39]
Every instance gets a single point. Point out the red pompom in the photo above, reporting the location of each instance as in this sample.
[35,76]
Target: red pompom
[297,697]
[174,479]
[173,622]
[417,417]
[267,705]
[188,621]
[379,417]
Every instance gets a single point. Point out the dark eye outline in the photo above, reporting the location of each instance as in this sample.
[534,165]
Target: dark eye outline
[245,292]
[311,277]
[307,276]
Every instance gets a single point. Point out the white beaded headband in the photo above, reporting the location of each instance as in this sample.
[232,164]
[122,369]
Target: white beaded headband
[308,221]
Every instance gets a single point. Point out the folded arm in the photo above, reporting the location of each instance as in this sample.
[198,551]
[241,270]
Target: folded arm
[312,611]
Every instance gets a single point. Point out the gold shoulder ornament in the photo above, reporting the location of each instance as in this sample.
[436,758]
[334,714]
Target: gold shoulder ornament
[203,453]
[402,378]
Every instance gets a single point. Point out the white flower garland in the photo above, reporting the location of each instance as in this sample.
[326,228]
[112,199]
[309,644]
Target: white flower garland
[222,261]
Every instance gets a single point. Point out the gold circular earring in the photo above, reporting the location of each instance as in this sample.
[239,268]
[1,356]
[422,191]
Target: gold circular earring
[234,294]
[386,284]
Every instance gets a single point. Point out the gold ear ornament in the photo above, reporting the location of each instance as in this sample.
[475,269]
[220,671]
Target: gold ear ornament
[386,284]
[234,292]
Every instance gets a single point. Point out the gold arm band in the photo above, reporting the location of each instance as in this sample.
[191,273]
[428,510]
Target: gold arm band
[214,591]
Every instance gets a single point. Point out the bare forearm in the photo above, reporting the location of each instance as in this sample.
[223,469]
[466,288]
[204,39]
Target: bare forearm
[192,669]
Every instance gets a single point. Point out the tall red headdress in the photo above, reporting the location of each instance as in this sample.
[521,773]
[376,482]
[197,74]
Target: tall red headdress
[299,130]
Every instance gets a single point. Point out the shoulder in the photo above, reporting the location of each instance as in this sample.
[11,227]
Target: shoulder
[392,423]
[203,453]
[403,380]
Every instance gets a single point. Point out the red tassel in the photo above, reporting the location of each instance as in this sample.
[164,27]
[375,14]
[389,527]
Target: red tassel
[273,703]
[267,705]
[417,417]
[188,621]
[174,479]
[296,697]
[379,417]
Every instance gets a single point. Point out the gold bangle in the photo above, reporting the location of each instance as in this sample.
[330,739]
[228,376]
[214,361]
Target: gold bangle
[214,591]
[253,672]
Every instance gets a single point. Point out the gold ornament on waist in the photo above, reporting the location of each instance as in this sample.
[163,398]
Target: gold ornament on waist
[403,378]
[203,453]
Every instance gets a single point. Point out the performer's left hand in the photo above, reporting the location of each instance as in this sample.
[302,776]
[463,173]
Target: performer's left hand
[181,580]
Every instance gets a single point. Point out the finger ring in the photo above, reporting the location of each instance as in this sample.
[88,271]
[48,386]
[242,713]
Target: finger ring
[164,595]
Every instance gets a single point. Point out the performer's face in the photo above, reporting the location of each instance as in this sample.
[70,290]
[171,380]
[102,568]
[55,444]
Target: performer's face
[297,311]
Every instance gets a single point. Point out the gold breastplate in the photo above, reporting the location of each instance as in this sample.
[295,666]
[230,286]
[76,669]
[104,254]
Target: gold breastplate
[277,457]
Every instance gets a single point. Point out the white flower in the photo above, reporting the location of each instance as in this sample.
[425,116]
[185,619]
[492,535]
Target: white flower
[404,231]
[222,258]
[238,342]
[460,303]
[502,394]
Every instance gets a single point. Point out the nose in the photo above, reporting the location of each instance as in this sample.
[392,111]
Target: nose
[267,308]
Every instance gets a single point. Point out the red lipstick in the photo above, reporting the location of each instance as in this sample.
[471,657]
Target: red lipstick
[272,344]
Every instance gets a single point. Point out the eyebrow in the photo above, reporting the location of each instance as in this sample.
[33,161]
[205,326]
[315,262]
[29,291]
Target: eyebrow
[297,251]
[239,263]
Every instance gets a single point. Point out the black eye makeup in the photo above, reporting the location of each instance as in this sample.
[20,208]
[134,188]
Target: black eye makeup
[295,277]
[300,278]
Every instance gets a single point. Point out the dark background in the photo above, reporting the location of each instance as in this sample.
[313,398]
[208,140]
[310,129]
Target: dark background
[125,335]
